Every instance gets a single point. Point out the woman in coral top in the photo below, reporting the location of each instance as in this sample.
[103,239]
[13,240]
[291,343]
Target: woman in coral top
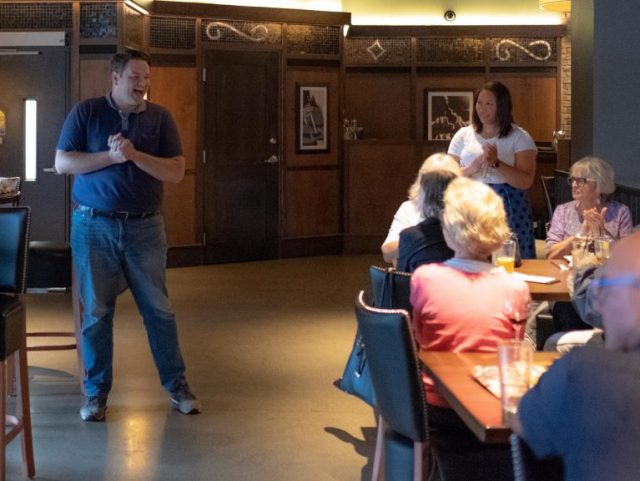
[460,304]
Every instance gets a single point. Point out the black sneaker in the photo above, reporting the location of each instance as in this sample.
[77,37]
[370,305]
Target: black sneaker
[94,409]
[183,399]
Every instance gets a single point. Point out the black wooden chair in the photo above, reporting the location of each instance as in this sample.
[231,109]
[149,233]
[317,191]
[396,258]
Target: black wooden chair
[389,289]
[395,372]
[14,226]
[548,188]
[526,467]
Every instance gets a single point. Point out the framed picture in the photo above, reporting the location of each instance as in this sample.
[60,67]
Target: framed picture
[446,111]
[312,119]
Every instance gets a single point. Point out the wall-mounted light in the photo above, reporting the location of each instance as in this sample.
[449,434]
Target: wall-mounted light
[555,5]
[30,139]
[136,7]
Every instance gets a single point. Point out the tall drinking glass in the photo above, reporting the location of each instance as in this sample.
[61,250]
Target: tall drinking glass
[514,363]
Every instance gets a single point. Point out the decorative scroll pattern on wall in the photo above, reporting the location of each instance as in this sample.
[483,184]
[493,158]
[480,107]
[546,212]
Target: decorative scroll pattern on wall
[450,50]
[35,15]
[241,32]
[98,20]
[134,29]
[377,51]
[173,33]
[312,39]
[518,50]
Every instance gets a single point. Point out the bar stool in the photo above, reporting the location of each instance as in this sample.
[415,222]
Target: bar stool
[14,225]
[49,269]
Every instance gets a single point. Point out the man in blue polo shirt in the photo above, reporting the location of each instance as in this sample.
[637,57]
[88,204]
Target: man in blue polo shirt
[121,148]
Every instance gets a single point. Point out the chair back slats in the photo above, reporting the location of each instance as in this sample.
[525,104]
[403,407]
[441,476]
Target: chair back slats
[548,188]
[14,240]
[395,371]
[390,288]
[526,467]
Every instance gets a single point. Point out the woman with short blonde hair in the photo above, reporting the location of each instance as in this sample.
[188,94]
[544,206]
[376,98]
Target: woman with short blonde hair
[474,220]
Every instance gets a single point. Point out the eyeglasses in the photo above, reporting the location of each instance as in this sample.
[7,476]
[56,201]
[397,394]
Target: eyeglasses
[599,286]
[580,181]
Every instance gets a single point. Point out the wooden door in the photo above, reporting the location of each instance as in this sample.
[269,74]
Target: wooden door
[39,75]
[242,151]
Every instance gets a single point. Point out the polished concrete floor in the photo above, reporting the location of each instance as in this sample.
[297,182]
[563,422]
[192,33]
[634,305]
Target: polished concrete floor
[263,342]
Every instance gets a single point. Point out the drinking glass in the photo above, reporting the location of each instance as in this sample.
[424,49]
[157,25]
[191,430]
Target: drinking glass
[518,313]
[505,256]
[514,365]
[603,248]
[581,249]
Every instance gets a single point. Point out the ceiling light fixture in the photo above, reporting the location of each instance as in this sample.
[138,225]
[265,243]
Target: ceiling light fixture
[555,5]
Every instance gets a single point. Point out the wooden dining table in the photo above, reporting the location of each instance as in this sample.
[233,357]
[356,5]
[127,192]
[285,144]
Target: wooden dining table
[557,291]
[480,410]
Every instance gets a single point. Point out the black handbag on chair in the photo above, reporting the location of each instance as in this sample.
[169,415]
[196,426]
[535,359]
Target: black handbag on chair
[389,290]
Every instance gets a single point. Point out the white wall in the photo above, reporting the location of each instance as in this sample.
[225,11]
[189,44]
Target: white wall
[468,12]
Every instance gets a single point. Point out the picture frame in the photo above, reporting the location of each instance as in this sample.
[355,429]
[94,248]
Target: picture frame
[312,118]
[445,112]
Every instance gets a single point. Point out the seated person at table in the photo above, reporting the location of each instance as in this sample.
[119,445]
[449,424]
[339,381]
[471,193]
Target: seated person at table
[459,305]
[410,211]
[424,243]
[584,409]
[591,212]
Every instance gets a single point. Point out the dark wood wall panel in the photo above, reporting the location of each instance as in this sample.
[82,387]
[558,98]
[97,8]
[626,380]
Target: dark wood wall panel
[312,203]
[311,76]
[534,103]
[180,212]
[377,182]
[381,102]
[180,205]
[95,77]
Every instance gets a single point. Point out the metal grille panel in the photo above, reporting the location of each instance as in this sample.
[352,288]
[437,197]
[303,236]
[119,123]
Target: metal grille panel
[229,31]
[174,33]
[35,15]
[378,51]
[311,39]
[520,50]
[450,50]
[98,20]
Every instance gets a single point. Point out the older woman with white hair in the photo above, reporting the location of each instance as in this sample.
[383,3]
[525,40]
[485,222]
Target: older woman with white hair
[410,213]
[463,303]
[424,242]
[592,212]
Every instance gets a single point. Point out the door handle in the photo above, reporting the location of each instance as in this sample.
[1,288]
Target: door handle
[272,160]
[50,170]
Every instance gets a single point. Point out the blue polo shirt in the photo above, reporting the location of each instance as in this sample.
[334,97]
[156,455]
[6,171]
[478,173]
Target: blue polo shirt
[119,187]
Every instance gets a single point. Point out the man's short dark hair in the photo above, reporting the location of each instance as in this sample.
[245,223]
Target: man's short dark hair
[120,60]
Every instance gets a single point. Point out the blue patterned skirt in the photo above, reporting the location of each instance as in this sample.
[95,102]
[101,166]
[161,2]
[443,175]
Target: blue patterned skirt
[516,204]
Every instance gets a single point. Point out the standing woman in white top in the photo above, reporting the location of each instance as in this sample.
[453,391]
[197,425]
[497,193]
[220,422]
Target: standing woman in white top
[501,154]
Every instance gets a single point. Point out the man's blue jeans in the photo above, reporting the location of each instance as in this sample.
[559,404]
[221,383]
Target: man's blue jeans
[106,251]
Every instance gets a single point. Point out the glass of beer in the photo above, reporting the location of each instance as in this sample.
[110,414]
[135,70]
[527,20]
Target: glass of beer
[603,248]
[505,256]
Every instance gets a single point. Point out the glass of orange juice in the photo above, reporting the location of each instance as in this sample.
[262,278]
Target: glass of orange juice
[505,256]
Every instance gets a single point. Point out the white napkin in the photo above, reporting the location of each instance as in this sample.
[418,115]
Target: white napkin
[535,279]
